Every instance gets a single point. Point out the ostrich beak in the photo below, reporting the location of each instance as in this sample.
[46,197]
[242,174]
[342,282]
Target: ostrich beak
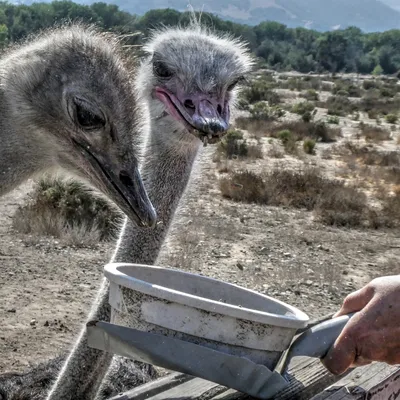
[203,115]
[137,204]
[126,189]
[208,115]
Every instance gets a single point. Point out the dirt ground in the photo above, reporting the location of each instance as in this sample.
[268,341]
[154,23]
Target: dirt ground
[46,288]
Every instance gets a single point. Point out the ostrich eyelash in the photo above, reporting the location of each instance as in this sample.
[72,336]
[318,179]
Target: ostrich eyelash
[236,82]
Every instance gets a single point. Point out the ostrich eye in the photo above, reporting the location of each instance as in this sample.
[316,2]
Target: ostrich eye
[86,117]
[161,70]
[235,83]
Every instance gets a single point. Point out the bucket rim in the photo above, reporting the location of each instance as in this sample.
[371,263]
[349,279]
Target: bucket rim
[295,319]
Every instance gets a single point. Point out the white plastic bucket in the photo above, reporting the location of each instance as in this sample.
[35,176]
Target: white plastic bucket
[202,310]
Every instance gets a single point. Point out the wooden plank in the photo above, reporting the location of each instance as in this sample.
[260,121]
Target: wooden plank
[308,379]
[376,381]
[152,388]
[229,394]
[388,388]
[193,389]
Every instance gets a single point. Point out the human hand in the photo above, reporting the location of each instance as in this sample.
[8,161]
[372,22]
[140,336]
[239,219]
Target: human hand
[373,333]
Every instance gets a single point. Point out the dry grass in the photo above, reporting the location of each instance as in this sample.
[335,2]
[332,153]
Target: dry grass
[68,211]
[374,133]
[338,105]
[278,188]
[332,201]
[390,213]
[255,151]
[371,156]
[304,130]
[182,256]
[244,186]
[234,146]
[342,206]
[275,151]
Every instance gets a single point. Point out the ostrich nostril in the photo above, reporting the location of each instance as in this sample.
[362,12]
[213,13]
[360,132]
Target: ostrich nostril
[219,109]
[125,178]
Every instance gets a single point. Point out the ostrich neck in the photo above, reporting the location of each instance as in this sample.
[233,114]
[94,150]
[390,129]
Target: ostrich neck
[166,173]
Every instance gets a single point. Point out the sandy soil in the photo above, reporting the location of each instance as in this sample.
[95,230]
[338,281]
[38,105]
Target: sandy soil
[46,288]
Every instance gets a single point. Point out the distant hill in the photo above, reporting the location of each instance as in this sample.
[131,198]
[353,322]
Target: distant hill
[369,15]
[392,3]
[322,15]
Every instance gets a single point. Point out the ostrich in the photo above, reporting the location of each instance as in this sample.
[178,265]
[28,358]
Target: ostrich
[67,100]
[188,80]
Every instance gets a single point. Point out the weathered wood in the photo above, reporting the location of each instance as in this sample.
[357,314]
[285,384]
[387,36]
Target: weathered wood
[306,377]
[193,389]
[154,387]
[373,382]
[308,380]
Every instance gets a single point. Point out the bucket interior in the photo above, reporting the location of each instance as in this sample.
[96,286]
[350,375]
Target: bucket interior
[207,288]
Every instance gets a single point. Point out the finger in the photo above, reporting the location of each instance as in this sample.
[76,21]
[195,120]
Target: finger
[341,355]
[356,301]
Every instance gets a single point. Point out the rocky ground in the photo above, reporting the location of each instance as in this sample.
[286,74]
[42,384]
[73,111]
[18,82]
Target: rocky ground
[46,287]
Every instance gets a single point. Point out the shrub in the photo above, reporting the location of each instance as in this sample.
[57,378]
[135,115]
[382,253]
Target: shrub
[243,104]
[367,85]
[233,145]
[244,186]
[332,201]
[279,187]
[307,117]
[309,146]
[67,210]
[342,93]
[346,89]
[342,206]
[391,118]
[289,141]
[261,90]
[387,92]
[390,213]
[303,107]
[373,114]
[339,105]
[333,119]
[376,105]
[375,157]
[374,133]
[310,95]
[285,135]
[255,151]
[261,111]
[378,70]
[303,130]
[275,152]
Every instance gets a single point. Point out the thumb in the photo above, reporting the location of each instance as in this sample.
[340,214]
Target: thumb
[341,355]
[356,301]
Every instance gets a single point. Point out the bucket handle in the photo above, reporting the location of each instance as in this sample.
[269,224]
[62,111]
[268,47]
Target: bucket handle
[316,341]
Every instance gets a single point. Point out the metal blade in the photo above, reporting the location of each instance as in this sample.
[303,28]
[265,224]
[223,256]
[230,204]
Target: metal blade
[177,355]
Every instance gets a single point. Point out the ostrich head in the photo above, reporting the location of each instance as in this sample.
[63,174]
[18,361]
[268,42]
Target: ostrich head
[71,94]
[190,78]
